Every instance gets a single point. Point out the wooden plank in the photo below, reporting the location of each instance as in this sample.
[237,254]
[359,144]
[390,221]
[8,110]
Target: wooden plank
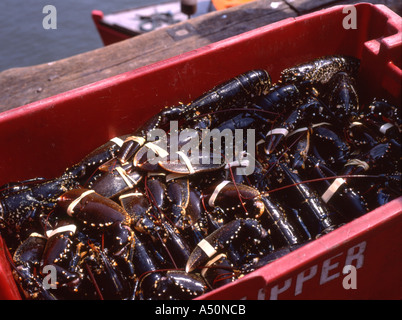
[25,85]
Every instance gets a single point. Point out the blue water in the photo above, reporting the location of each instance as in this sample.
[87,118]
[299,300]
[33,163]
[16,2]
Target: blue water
[24,41]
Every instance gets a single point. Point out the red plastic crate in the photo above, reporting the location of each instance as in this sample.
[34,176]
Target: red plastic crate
[45,137]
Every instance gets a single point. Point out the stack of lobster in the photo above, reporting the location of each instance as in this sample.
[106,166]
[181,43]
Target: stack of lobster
[120,226]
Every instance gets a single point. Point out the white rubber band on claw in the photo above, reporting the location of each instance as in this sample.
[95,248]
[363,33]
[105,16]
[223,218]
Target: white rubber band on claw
[139,140]
[305,128]
[211,262]
[70,209]
[128,195]
[187,161]
[260,142]
[332,189]
[117,141]
[125,177]
[155,174]
[158,150]
[218,189]
[69,227]
[385,127]
[283,131]
[37,235]
[207,248]
[237,163]
[172,176]
[354,124]
[359,163]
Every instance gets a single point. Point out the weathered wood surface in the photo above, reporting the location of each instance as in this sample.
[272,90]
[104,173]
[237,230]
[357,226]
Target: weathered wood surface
[20,86]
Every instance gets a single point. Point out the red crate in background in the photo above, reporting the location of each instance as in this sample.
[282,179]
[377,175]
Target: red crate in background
[45,137]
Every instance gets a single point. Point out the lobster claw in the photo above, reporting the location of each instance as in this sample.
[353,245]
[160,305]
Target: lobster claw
[226,196]
[26,257]
[18,207]
[275,136]
[137,206]
[191,165]
[150,153]
[92,209]
[317,216]
[178,285]
[114,182]
[87,166]
[178,192]
[236,232]
[129,147]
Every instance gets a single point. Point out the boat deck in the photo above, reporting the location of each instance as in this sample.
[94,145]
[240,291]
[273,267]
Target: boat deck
[137,21]
[21,86]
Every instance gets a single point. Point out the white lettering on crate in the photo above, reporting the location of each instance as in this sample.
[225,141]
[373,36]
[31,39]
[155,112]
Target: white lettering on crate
[331,269]
[302,277]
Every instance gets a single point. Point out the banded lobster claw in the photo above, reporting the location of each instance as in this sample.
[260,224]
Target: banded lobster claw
[26,260]
[237,201]
[237,232]
[92,209]
[62,251]
[97,212]
[114,181]
[191,165]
